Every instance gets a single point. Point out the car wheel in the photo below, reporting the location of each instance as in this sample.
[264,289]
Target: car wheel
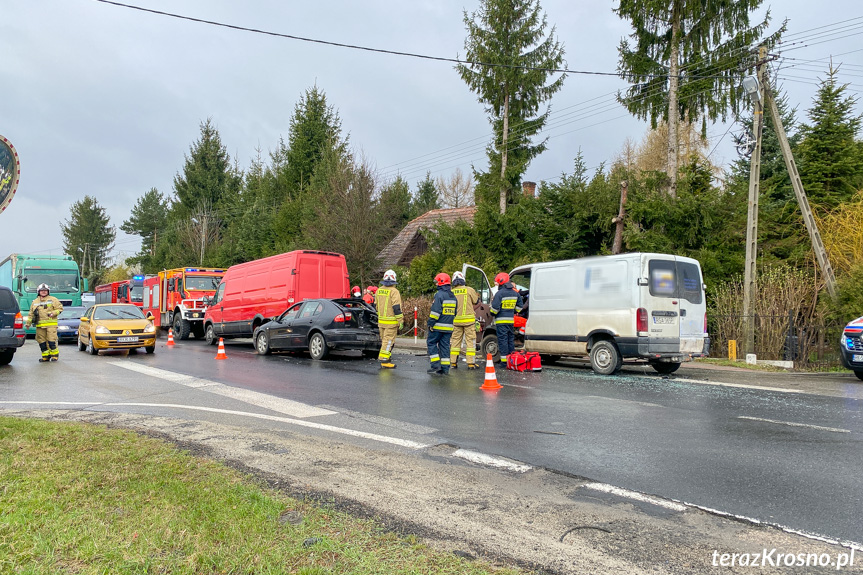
[91,349]
[665,368]
[262,343]
[489,346]
[210,335]
[81,346]
[605,358]
[150,349]
[6,356]
[182,327]
[859,374]
[318,346]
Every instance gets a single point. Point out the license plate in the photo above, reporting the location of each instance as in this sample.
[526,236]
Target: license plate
[127,339]
[663,319]
[857,357]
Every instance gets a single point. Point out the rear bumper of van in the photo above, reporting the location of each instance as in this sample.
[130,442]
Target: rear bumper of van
[666,349]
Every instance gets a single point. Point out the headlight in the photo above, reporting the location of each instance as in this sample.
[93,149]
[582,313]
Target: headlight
[150,328]
[63,328]
[102,329]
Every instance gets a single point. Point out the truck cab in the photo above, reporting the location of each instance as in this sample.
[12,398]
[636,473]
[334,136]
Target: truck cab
[178,298]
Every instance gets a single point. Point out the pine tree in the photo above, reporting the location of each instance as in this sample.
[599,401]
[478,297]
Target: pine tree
[88,235]
[147,220]
[830,157]
[684,61]
[426,197]
[394,205]
[511,69]
[207,174]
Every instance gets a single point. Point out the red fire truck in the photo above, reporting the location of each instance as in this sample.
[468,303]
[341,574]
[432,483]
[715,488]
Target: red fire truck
[126,291]
[176,298]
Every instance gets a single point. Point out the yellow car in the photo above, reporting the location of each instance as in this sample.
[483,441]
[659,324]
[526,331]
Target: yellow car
[115,326]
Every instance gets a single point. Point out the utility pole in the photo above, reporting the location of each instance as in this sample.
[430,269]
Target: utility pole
[802,200]
[618,221]
[749,283]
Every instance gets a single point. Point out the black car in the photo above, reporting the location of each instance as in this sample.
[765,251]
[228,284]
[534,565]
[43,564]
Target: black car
[68,322]
[319,325]
[11,326]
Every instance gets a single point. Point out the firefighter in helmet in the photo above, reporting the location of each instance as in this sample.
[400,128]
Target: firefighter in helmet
[506,303]
[356,293]
[464,324]
[440,324]
[43,314]
[369,295]
[388,302]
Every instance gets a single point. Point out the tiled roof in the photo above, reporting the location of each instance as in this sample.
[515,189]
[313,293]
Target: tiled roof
[410,243]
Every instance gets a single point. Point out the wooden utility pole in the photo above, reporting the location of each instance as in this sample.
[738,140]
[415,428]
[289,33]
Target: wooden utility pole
[802,200]
[749,280]
[503,153]
[618,221]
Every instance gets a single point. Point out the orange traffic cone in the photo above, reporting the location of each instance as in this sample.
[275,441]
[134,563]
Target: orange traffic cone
[221,353]
[170,337]
[490,382]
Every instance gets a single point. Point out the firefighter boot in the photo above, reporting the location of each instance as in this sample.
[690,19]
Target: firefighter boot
[45,353]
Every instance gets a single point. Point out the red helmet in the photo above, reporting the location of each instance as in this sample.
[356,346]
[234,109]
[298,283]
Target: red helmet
[501,278]
[373,289]
[442,279]
[356,290]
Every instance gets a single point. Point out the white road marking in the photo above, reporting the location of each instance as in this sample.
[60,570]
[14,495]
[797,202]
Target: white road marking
[740,385]
[286,406]
[301,422]
[792,424]
[483,459]
[634,495]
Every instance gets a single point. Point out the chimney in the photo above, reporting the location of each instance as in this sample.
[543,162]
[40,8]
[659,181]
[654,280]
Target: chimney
[529,189]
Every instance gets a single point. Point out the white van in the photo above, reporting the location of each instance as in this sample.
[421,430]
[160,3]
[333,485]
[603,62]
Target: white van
[649,307]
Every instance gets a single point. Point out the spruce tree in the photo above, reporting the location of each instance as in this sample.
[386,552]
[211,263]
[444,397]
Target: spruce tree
[88,235]
[511,65]
[426,197]
[147,220]
[207,174]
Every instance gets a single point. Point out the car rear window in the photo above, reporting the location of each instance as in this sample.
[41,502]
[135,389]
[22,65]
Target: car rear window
[675,280]
[8,301]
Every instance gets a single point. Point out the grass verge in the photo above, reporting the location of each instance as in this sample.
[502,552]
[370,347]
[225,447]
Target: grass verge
[80,498]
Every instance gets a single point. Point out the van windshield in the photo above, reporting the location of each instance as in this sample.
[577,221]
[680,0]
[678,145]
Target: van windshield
[672,279]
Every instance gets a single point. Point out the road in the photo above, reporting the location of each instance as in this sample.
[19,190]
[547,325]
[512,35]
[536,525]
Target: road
[715,440]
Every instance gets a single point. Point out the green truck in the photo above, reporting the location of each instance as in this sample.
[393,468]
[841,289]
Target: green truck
[22,273]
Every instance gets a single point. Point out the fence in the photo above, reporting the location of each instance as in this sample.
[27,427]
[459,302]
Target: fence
[779,338]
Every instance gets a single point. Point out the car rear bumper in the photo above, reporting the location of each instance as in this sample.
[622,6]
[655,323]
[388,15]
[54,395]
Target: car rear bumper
[10,338]
[350,339]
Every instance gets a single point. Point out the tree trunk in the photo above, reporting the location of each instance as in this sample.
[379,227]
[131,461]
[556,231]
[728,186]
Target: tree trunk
[673,107]
[618,221]
[503,154]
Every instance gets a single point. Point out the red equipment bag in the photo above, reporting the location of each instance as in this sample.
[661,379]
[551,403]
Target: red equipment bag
[524,361]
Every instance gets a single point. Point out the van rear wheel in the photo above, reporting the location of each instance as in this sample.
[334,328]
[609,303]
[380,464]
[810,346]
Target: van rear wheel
[665,368]
[605,358]
[490,346]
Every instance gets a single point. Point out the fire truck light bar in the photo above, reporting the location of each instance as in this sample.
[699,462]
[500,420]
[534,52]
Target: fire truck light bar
[137,277]
[201,270]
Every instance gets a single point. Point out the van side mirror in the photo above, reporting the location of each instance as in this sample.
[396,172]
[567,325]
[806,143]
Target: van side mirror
[642,281]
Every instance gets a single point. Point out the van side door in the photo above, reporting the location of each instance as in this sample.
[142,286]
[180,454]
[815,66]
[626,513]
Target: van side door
[476,278]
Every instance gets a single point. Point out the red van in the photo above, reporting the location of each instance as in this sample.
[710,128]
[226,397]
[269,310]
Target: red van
[252,293]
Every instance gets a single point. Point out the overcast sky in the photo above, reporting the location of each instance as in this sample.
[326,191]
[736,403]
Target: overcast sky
[103,100]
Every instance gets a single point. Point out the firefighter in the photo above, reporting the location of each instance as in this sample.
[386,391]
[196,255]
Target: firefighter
[506,303]
[440,325]
[464,324]
[388,302]
[43,314]
[356,293]
[369,295]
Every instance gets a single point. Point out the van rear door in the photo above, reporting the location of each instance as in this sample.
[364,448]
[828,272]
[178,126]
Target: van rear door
[661,301]
[690,291]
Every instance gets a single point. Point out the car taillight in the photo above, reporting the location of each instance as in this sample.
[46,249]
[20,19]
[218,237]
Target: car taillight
[641,320]
[343,317]
[19,321]
[705,324]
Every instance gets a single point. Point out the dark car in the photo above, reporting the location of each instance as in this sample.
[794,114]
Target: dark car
[319,325]
[68,322]
[11,326]
[852,346]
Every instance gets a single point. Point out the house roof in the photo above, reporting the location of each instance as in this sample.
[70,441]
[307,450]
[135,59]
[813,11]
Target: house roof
[409,243]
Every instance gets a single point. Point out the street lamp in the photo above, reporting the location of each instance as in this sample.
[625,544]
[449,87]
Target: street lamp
[752,89]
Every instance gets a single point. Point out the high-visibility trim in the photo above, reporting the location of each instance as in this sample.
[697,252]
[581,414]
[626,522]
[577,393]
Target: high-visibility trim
[46,323]
[505,320]
[384,355]
[444,362]
[434,315]
[388,321]
[439,327]
[470,353]
[434,358]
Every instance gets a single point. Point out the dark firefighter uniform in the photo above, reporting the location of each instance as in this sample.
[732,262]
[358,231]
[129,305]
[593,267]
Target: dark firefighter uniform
[506,303]
[440,324]
[464,324]
[388,302]
[43,314]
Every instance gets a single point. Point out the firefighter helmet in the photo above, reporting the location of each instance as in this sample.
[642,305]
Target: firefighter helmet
[43,287]
[372,289]
[356,291]
[501,278]
[390,276]
[458,279]
[442,279]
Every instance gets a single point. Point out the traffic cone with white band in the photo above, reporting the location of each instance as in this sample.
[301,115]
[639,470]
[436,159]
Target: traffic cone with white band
[221,353]
[170,337]
[490,383]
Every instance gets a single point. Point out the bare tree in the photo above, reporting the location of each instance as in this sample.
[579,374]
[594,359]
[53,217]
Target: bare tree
[457,191]
[201,231]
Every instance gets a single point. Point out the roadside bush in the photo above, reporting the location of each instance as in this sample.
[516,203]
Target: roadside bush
[423,305]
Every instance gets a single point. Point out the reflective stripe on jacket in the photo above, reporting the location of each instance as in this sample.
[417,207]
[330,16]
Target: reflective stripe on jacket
[466,297]
[506,303]
[443,310]
[388,302]
[41,307]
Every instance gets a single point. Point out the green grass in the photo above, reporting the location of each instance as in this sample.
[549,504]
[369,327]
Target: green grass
[739,363]
[80,498]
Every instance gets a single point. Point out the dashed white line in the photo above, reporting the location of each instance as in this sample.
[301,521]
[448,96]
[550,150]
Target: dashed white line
[634,495]
[483,459]
[286,406]
[792,424]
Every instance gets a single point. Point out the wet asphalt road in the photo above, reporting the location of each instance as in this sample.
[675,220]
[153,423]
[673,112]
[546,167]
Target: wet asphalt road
[790,459]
